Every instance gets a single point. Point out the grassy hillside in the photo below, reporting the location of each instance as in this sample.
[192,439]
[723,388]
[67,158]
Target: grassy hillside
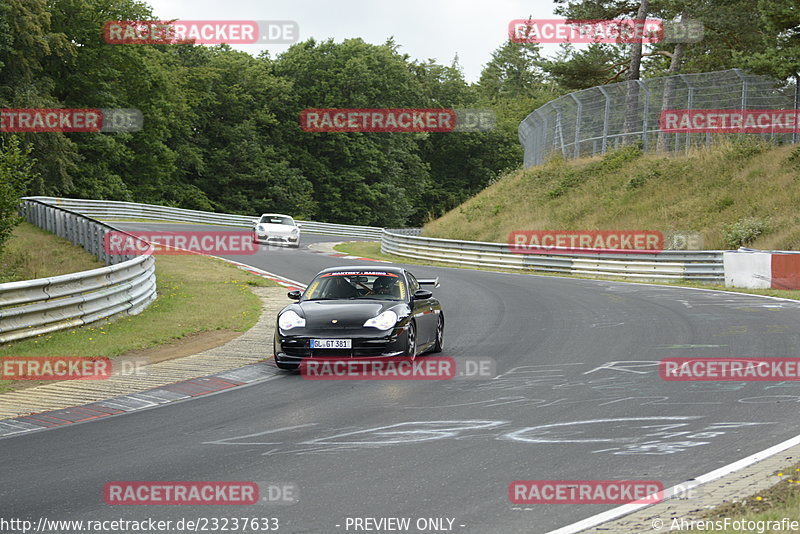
[739,192]
[34,253]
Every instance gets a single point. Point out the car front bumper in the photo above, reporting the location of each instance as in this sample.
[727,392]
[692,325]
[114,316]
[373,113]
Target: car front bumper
[292,349]
[267,238]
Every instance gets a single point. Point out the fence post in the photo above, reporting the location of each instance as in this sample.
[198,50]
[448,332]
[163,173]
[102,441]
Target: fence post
[744,87]
[542,137]
[578,117]
[559,133]
[796,104]
[606,114]
[646,110]
[689,105]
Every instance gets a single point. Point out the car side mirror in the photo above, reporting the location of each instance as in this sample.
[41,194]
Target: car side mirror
[422,294]
[296,294]
[254,222]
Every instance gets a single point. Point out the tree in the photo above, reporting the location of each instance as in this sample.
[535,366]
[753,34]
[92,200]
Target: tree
[515,70]
[574,69]
[16,172]
[365,178]
[779,53]
[27,43]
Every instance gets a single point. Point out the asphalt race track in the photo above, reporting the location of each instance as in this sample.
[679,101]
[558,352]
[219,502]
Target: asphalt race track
[577,396]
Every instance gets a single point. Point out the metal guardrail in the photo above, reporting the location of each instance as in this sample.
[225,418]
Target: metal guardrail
[112,209]
[705,265]
[406,242]
[33,307]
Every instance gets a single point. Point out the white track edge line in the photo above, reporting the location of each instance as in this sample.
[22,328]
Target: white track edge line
[626,509]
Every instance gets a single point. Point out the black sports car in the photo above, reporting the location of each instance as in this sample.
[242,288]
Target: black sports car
[359,312]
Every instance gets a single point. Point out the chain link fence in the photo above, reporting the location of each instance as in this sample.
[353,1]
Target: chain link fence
[595,120]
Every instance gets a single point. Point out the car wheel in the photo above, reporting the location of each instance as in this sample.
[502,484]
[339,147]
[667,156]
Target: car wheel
[411,346]
[437,347]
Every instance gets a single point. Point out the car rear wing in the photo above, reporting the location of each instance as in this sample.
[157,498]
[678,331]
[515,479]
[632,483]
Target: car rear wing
[429,282]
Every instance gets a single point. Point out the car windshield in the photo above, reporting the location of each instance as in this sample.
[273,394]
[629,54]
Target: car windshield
[277,219]
[356,285]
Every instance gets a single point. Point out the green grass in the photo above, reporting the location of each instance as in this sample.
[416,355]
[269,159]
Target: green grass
[738,189]
[779,501]
[34,253]
[365,249]
[372,249]
[195,294]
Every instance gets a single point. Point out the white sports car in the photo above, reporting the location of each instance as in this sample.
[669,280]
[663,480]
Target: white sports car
[274,227]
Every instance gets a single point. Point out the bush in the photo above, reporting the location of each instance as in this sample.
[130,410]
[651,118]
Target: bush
[642,178]
[615,159]
[572,179]
[744,231]
[794,157]
[744,147]
[724,202]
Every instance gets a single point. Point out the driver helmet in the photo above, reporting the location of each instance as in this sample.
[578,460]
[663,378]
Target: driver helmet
[383,285]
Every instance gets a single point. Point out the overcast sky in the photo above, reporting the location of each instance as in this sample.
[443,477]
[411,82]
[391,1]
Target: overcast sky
[437,29]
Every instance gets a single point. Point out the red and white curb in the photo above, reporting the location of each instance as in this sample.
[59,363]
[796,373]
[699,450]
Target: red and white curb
[186,389]
[282,280]
[346,256]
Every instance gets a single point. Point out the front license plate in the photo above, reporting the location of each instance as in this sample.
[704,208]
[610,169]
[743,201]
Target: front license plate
[331,343]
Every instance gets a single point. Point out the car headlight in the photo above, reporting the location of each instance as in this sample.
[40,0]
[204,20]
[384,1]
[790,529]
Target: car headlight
[384,321]
[290,319]
[260,228]
[295,231]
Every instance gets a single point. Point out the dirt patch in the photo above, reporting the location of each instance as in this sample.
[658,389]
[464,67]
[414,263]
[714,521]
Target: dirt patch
[186,346]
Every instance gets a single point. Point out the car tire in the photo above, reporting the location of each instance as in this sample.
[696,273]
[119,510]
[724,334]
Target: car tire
[437,346]
[411,345]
